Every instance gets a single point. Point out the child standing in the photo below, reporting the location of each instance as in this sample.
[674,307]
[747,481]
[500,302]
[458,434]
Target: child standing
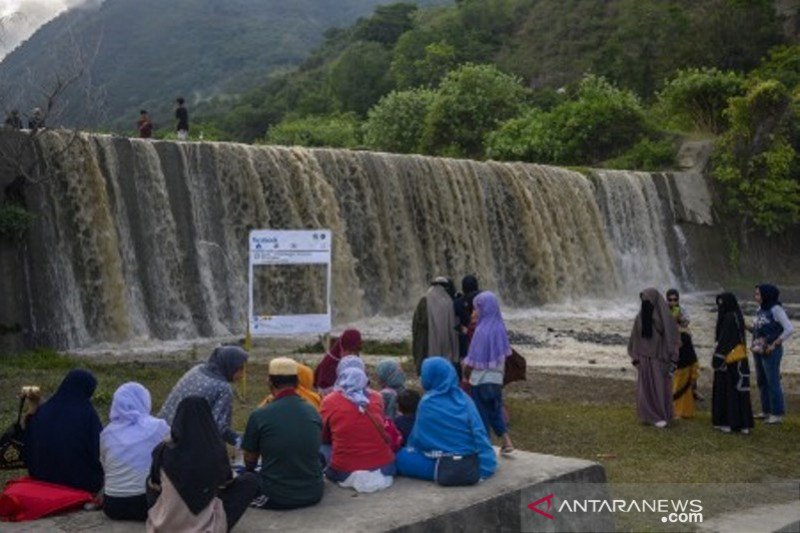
[486,357]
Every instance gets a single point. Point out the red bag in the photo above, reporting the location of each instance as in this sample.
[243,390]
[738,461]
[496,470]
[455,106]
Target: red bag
[28,499]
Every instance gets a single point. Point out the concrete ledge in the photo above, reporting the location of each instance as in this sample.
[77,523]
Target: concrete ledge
[498,504]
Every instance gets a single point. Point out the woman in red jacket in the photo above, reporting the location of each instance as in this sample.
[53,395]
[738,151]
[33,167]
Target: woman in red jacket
[352,423]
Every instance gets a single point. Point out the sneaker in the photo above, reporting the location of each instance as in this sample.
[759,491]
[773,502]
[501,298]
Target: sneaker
[724,429]
[661,424]
[507,450]
[760,416]
[773,419]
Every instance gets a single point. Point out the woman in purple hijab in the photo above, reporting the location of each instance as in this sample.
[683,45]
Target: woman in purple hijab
[486,358]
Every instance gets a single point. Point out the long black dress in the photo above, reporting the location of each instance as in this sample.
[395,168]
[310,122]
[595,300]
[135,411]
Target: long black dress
[730,405]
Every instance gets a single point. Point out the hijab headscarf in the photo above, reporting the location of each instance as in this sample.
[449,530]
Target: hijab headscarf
[63,437]
[194,459]
[304,389]
[489,346]
[350,361]
[325,373]
[390,374]
[132,433]
[664,339]
[447,420]
[352,383]
[225,361]
[727,303]
[769,296]
[305,386]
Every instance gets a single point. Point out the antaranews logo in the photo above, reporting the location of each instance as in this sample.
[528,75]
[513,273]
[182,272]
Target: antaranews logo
[535,506]
[672,511]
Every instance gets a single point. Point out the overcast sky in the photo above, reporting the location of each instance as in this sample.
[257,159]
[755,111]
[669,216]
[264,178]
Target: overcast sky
[22,17]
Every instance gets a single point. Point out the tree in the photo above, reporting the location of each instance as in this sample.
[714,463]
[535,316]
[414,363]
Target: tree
[395,124]
[697,98]
[601,121]
[360,77]
[782,64]
[756,160]
[333,131]
[471,102]
[387,24]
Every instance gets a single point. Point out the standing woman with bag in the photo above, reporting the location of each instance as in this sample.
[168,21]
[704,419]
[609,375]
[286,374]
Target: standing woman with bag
[486,358]
[771,328]
[730,404]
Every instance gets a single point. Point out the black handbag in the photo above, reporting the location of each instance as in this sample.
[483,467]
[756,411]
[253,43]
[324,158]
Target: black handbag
[458,470]
[12,443]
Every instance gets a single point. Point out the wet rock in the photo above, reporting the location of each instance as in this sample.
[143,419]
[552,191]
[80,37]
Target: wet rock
[518,338]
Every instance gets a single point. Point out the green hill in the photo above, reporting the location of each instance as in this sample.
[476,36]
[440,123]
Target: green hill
[144,53]
[548,44]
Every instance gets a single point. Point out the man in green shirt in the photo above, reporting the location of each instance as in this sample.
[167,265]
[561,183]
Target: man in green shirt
[286,433]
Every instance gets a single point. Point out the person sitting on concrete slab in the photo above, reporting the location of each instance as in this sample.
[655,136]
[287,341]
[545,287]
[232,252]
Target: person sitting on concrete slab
[392,381]
[325,374]
[211,381]
[191,486]
[447,423]
[352,424]
[62,438]
[286,434]
[305,388]
[126,452]
[407,402]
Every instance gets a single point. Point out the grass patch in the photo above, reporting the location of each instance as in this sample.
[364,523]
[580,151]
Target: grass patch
[39,359]
[370,347]
[588,418]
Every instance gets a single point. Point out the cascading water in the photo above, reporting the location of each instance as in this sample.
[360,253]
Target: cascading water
[636,215]
[147,239]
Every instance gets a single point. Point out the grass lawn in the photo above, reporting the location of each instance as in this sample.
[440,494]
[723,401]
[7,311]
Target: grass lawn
[586,417]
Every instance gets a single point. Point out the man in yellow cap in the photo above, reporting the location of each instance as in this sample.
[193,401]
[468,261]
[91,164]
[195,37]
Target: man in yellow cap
[286,434]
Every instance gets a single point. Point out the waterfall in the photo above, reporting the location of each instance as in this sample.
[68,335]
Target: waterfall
[636,215]
[140,239]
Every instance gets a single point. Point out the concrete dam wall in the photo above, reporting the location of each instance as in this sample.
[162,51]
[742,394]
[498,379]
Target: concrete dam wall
[148,239]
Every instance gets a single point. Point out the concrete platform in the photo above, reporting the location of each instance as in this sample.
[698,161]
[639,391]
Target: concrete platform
[498,504]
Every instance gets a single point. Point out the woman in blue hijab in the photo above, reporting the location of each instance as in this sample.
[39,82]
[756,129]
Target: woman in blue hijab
[62,440]
[447,423]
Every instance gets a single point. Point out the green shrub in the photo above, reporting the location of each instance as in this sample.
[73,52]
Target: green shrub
[648,155]
[696,98]
[755,161]
[395,124]
[334,131]
[471,101]
[782,64]
[601,121]
[15,221]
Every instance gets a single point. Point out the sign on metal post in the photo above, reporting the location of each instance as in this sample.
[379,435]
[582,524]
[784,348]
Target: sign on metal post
[289,282]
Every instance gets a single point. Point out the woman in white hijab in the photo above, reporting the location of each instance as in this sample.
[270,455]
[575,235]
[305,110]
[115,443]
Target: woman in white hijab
[126,447]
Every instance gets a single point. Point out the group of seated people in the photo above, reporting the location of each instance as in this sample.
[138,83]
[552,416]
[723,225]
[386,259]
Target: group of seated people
[173,470]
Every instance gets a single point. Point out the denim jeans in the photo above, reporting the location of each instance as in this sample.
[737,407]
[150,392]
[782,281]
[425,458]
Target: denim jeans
[488,399]
[768,376]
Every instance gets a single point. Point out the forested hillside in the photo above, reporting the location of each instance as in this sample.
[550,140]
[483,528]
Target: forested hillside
[144,53]
[570,82]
